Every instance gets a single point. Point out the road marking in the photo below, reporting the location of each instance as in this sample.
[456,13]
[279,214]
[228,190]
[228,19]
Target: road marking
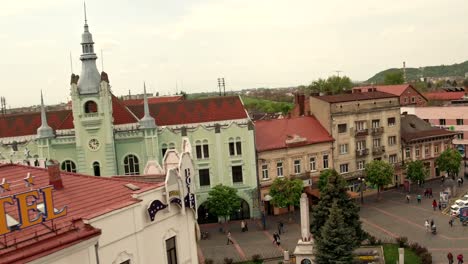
[238,248]
[379,228]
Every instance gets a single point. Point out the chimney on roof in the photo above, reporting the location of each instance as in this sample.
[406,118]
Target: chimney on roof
[55,179]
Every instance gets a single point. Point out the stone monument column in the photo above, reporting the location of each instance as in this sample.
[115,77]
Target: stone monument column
[304,251]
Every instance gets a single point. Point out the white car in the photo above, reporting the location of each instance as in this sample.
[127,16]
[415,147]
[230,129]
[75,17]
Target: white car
[463,200]
[454,209]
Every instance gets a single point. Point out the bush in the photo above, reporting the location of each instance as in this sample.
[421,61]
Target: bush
[209,261]
[228,260]
[426,258]
[257,258]
[402,242]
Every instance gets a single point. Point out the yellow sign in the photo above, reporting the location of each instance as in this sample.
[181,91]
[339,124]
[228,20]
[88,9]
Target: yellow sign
[174,193]
[24,207]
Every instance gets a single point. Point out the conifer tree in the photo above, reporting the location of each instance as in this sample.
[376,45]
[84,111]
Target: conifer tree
[335,244]
[335,189]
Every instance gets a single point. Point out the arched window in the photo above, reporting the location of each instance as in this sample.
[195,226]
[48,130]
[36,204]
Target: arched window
[235,146]
[36,163]
[90,107]
[171,146]
[97,168]
[69,166]
[202,149]
[164,149]
[131,165]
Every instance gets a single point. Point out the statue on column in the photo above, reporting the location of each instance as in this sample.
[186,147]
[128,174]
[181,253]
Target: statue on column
[304,251]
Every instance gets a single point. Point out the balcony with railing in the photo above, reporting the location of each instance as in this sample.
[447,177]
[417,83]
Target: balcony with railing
[378,150]
[377,131]
[361,132]
[362,152]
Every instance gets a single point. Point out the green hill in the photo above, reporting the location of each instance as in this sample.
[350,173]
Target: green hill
[458,69]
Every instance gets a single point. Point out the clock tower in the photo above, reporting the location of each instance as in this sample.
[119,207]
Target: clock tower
[92,114]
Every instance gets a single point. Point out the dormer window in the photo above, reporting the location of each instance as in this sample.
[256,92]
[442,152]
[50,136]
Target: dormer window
[90,107]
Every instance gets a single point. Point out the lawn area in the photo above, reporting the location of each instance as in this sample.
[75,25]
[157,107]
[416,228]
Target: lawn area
[391,255]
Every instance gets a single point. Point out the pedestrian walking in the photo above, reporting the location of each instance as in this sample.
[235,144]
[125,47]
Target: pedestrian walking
[450,258]
[451,222]
[430,192]
[459,181]
[282,227]
[434,204]
[460,258]
[408,198]
[243,226]
[419,198]
[229,238]
[440,206]
[426,193]
[276,239]
[426,224]
[246,227]
[432,222]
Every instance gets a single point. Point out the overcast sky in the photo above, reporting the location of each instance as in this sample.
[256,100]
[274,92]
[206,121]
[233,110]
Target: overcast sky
[252,43]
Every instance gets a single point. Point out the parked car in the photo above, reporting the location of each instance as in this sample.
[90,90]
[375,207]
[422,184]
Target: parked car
[463,200]
[454,209]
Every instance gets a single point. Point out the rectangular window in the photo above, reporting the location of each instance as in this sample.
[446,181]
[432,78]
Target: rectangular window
[344,168]
[436,149]
[265,171]
[279,169]
[171,251]
[375,123]
[342,128]
[202,151]
[360,145]
[442,122]
[361,165]
[426,151]
[297,166]
[232,151]
[313,165]
[325,161]
[343,148]
[237,174]
[392,158]
[391,140]
[376,142]
[417,152]
[413,99]
[198,149]
[460,136]
[206,153]
[406,100]
[204,175]
[408,153]
[459,122]
[391,121]
[239,147]
[360,125]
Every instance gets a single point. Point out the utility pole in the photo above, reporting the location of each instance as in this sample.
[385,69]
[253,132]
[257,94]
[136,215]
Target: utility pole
[338,73]
[221,86]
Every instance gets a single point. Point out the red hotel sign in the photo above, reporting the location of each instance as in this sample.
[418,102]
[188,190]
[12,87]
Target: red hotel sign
[24,207]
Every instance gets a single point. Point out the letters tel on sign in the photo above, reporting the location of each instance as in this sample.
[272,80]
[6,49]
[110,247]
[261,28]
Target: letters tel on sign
[24,207]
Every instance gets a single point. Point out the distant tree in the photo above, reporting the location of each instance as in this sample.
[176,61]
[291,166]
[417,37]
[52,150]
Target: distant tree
[286,192]
[416,171]
[323,179]
[336,190]
[379,173]
[223,201]
[454,83]
[157,93]
[333,84]
[335,243]
[449,161]
[394,77]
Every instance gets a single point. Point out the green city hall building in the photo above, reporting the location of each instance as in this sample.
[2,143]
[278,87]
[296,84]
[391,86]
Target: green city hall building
[101,135]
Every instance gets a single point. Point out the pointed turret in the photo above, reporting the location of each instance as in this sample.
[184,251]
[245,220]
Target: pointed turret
[44,131]
[147,121]
[90,78]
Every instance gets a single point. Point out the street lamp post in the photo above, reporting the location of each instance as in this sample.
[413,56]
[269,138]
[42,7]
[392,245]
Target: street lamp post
[361,180]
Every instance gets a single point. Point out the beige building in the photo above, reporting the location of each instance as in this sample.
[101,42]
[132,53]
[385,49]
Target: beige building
[365,126]
[292,147]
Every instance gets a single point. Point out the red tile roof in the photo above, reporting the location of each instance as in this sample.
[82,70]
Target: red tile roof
[86,197]
[397,89]
[341,98]
[154,100]
[194,111]
[23,124]
[444,96]
[272,134]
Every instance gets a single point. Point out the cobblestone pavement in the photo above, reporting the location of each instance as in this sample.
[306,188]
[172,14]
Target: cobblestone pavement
[388,218]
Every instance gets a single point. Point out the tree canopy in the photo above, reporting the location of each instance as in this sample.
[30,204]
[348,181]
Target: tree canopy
[286,192]
[335,244]
[394,77]
[323,179]
[416,171]
[333,84]
[379,173]
[223,201]
[449,161]
[335,190]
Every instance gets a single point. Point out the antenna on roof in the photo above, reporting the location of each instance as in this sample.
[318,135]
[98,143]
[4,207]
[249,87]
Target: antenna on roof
[404,71]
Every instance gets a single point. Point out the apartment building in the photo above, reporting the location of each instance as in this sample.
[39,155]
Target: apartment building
[365,126]
[407,93]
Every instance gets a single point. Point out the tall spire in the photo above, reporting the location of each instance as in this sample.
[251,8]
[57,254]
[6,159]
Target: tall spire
[90,78]
[147,121]
[44,131]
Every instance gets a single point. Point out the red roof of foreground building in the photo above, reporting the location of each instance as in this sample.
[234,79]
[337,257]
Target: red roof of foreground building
[23,124]
[444,96]
[154,100]
[289,132]
[396,89]
[86,197]
[194,111]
